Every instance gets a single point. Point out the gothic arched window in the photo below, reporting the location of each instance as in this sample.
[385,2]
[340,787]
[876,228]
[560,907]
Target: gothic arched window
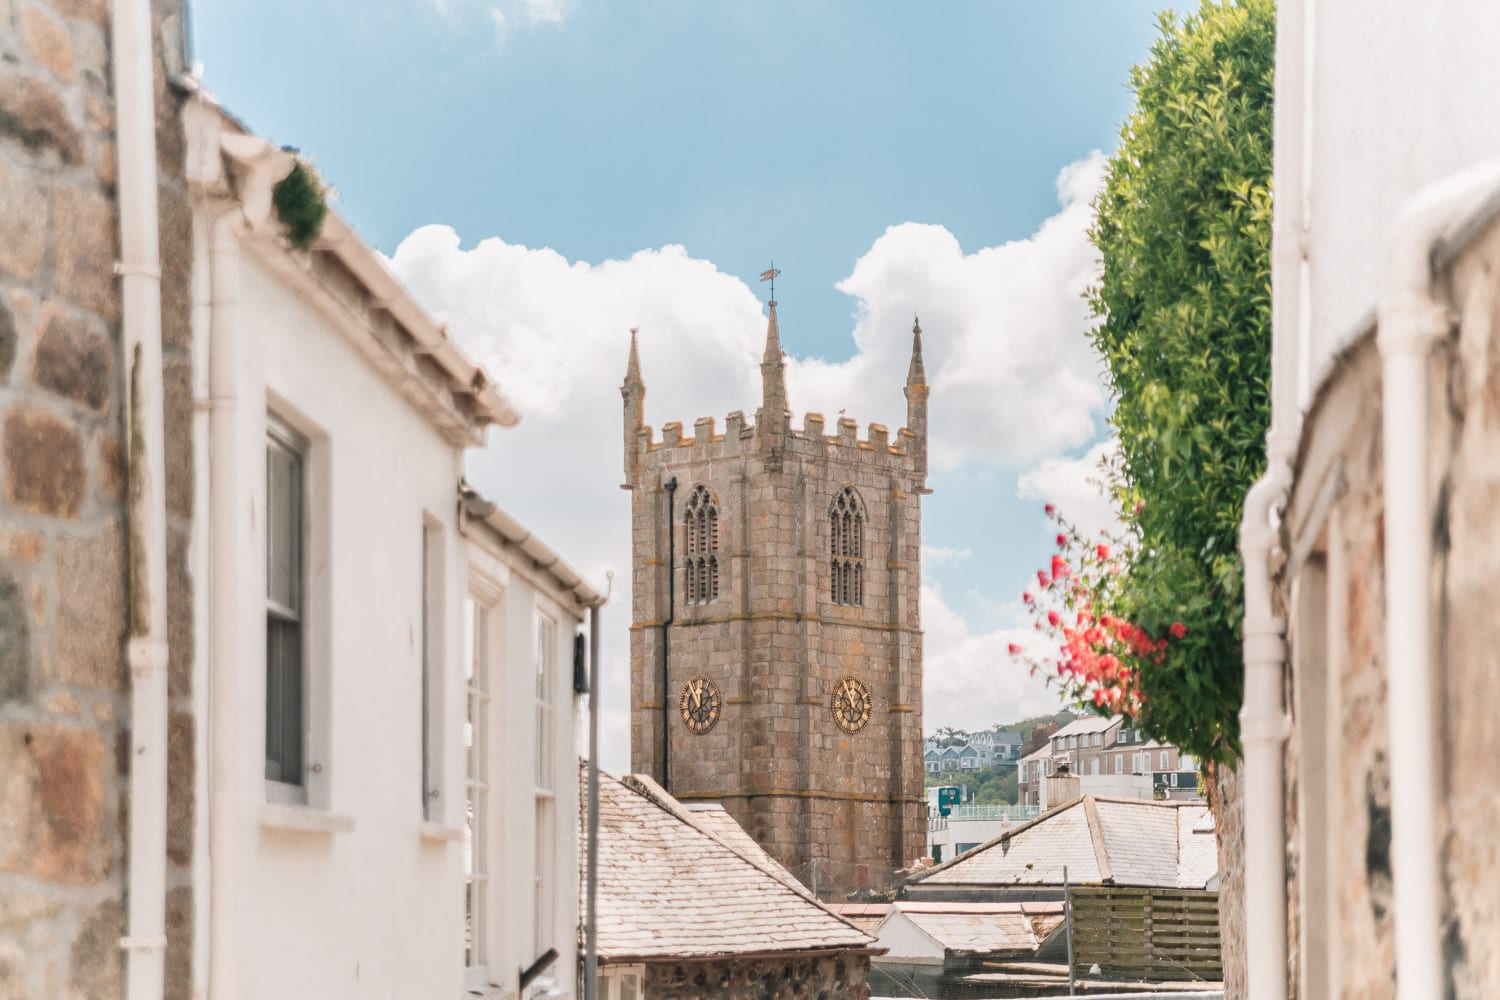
[702,557]
[846,547]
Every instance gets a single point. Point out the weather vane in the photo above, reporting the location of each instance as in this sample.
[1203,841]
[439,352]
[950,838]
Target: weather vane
[769,274]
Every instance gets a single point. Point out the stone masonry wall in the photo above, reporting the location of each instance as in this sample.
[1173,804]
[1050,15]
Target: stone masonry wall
[64,704]
[1342,447]
[832,977]
[776,645]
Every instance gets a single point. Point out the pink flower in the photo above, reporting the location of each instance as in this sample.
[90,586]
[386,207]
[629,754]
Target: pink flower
[1015,649]
[1026,596]
[1062,540]
[1139,506]
[1041,578]
[1050,509]
[1060,568]
[1178,630]
[1102,551]
[1053,618]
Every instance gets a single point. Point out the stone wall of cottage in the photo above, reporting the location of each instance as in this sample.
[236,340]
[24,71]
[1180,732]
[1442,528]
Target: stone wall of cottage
[831,977]
[776,645]
[1228,803]
[1335,519]
[64,706]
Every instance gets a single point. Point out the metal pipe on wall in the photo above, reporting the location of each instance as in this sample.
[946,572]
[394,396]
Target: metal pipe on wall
[145,939]
[666,628]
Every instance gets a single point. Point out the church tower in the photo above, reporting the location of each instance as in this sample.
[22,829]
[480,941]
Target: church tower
[775,643]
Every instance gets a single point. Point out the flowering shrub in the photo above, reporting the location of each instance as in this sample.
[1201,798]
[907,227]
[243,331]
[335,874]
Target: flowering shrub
[1096,657]
[1184,307]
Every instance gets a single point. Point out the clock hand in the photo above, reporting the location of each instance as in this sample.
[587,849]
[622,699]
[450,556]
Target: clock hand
[698,694]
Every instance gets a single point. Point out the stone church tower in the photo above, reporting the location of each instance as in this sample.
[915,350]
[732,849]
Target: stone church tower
[775,644]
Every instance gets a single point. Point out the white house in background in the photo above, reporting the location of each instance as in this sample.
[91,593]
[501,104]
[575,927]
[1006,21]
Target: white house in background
[522,613]
[385,761]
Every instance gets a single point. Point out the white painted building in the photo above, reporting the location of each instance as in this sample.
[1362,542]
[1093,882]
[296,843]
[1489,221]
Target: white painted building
[386,765]
[1369,543]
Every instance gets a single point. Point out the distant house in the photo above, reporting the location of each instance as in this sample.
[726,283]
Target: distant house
[948,758]
[930,948]
[932,760]
[1102,841]
[689,905]
[1007,746]
[1143,876]
[968,758]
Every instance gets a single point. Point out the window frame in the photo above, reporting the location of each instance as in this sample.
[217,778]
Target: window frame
[847,523]
[434,558]
[282,437]
[611,982]
[700,517]
[483,610]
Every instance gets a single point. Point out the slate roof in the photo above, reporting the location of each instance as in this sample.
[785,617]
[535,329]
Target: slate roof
[1011,929]
[1008,738]
[672,886]
[1102,841]
[1087,724]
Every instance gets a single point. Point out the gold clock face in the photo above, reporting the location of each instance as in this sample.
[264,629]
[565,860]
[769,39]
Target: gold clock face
[700,705]
[851,704]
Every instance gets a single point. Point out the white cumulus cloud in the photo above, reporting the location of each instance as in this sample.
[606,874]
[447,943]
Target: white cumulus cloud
[1077,487]
[1013,380]
[969,679]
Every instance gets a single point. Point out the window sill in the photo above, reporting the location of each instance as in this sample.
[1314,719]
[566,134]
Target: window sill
[303,819]
[440,832]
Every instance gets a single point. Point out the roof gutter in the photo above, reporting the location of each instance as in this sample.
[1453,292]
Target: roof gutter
[340,239]
[514,533]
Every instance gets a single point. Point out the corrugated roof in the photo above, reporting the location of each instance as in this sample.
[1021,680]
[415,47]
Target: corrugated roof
[669,888]
[1101,841]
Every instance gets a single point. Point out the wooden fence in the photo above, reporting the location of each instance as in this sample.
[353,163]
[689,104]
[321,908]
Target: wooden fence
[1150,934]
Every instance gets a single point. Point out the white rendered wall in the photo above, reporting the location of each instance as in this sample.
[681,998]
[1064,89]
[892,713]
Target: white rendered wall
[1403,94]
[907,943]
[375,910]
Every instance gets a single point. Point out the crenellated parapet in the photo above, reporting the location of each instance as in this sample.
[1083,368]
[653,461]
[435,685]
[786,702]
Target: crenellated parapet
[771,438]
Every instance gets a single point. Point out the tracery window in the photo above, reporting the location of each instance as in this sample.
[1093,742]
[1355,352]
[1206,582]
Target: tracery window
[702,556]
[846,541]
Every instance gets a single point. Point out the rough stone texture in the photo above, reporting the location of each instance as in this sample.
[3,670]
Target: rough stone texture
[180,767]
[15,641]
[43,463]
[826,978]
[85,232]
[1229,827]
[91,609]
[8,338]
[63,785]
[98,964]
[74,361]
[47,38]
[23,203]
[52,803]
[32,112]
[774,641]
[1342,445]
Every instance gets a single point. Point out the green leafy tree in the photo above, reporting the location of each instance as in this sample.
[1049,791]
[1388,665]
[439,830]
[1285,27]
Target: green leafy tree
[1183,231]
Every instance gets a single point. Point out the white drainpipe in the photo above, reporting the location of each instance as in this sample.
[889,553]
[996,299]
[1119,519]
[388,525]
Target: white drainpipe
[146,651]
[1410,322]
[223,626]
[1264,726]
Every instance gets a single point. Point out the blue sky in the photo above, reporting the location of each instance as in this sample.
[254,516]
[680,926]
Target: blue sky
[666,152]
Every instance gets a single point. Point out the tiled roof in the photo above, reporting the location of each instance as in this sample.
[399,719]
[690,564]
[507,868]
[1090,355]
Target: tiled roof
[1087,724]
[1101,841]
[671,886]
[1015,929]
